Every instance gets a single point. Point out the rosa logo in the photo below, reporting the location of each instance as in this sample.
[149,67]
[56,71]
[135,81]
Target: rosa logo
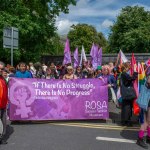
[95,105]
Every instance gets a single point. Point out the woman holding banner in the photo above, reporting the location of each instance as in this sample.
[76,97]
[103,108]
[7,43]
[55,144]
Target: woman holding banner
[70,73]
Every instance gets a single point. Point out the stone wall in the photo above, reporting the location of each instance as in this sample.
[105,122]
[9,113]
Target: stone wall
[140,57]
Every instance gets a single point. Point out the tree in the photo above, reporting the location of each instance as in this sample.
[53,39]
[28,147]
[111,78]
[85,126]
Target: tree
[56,46]
[83,34]
[102,41]
[35,20]
[131,31]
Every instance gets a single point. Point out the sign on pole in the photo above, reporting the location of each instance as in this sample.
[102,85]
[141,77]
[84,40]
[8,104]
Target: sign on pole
[10,39]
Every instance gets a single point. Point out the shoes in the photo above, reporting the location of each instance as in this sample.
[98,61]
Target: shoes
[148,139]
[142,143]
[3,142]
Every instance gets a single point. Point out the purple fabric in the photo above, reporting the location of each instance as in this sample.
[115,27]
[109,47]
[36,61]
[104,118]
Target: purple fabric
[40,99]
[76,59]
[67,53]
[148,71]
[147,62]
[94,54]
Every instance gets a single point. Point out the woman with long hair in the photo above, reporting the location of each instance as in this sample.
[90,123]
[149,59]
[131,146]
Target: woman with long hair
[78,72]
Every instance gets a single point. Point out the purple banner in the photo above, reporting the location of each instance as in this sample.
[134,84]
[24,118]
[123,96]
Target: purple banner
[40,99]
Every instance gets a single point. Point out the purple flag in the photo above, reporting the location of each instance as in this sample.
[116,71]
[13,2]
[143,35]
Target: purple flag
[94,56]
[76,60]
[100,57]
[67,54]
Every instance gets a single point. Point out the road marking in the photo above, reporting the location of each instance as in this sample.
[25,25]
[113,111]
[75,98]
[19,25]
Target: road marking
[88,124]
[1,127]
[101,125]
[96,127]
[115,140]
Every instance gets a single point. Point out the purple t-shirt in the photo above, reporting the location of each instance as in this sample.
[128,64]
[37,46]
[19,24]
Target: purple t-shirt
[148,71]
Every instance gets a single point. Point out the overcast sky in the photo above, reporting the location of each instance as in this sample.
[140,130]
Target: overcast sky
[99,13]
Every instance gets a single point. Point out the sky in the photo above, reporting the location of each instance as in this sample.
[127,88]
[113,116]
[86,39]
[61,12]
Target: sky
[100,13]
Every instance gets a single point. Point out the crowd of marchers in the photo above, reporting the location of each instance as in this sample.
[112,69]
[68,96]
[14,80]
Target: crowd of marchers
[119,78]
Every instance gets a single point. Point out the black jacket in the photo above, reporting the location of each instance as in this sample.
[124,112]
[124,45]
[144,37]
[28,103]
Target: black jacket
[128,79]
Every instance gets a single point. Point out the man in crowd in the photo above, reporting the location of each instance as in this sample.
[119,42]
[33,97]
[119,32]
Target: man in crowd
[3,103]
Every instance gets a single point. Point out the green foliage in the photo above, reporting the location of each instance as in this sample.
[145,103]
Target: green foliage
[56,46]
[83,34]
[131,31]
[35,20]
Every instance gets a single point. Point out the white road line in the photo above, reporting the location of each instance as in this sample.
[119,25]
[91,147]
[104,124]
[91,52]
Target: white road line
[1,127]
[115,140]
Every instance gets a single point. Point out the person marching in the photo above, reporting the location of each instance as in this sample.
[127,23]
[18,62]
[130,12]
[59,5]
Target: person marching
[144,103]
[70,73]
[22,72]
[128,93]
[3,103]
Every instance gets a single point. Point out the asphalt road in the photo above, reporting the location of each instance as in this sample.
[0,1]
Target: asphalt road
[84,135]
